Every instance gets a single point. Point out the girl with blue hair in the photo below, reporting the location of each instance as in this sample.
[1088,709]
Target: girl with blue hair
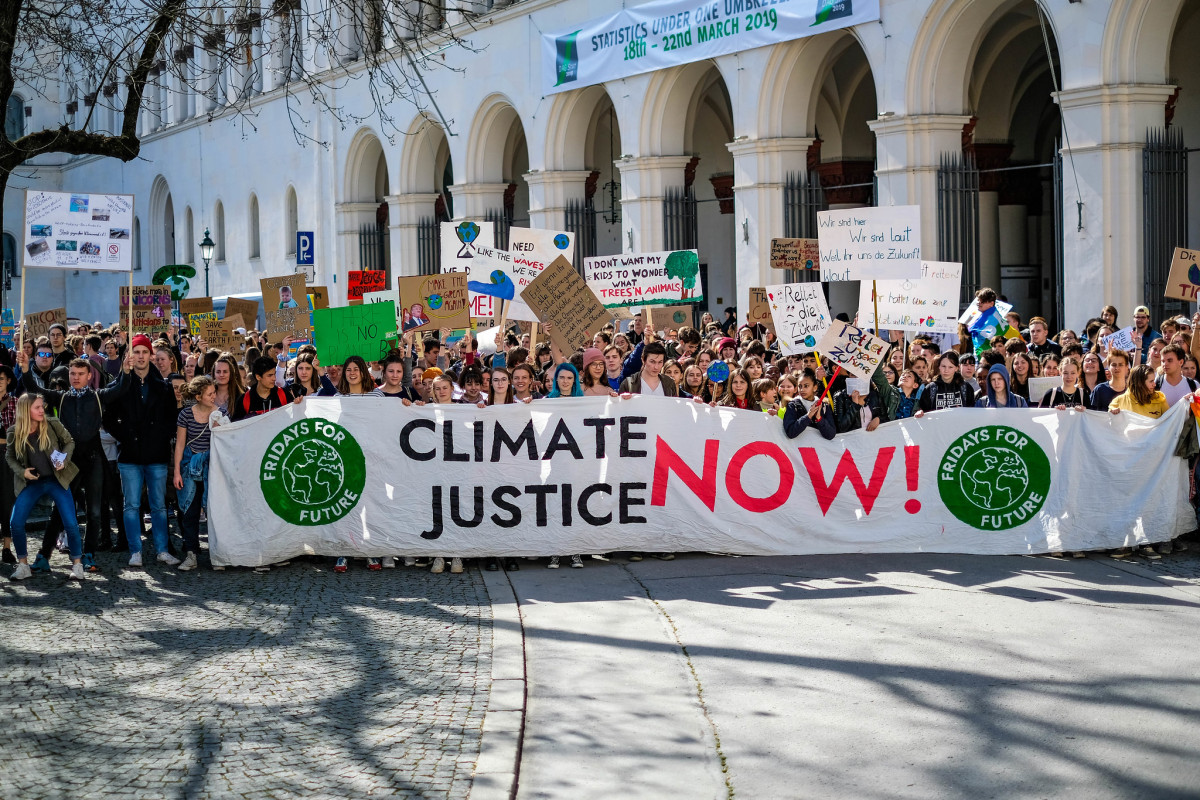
[566,382]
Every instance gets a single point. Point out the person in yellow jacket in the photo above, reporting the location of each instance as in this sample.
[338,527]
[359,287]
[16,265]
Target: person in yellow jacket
[1141,397]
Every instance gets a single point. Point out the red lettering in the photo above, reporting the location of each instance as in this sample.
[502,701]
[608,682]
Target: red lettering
[733,477]
[667,461]
[847,470]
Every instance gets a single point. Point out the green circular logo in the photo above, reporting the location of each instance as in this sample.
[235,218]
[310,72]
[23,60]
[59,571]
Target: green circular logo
[994,478]
[313,472]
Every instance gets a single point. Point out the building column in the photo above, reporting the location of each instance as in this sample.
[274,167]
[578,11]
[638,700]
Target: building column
[1105,130]
[350,219]
[549,194]
[644,184]
[405,212]
[475,200]
[908,152]
[760,169]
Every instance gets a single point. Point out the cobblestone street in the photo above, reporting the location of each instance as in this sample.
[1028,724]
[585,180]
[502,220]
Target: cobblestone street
[159,684]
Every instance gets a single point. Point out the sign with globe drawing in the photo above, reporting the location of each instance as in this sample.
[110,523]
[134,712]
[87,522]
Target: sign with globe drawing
[994,478]
[313,472]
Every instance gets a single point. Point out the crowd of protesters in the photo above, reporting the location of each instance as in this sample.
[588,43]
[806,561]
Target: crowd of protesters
[122,426]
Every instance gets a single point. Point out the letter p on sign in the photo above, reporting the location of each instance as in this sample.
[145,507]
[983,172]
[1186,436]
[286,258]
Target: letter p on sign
[304,248]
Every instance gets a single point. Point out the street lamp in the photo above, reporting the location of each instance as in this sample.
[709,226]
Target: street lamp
[207,245]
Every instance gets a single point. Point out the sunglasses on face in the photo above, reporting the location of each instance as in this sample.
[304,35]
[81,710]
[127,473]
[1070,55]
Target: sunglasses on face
[45,355]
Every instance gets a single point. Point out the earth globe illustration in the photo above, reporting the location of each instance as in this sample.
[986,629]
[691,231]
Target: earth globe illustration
[313,473]
[435,302]
[994,478]
[562,242]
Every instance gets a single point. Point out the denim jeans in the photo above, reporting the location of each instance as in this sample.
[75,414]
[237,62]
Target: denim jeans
[154,478]
[28,498]
[87,489]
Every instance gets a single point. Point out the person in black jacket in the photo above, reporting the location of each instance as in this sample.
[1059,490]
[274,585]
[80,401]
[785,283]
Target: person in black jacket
[80,410]
[142,421]
[948,389]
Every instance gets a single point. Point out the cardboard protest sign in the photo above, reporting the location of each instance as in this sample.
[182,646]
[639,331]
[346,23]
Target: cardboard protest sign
[852,348]
[8,328]
[926,304]
[1039,386]
[194,321]
[286,301]
[38,324]
[247,309]
[881,243]
[432,302]
[459,240]
[760,308]
[1183,281]
[801,315]
[360,330]
[671,316]
[219,335]
[1121,340]
[235,322]
[795,254]
[195,305]
[645,279]
[151,308]
[319,296]
[533,250]
[561,299]
[359,282]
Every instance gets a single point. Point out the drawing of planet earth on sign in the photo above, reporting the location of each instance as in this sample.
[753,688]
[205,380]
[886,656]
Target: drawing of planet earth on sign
[1194,274]
[810,341]
[562,241]
[718,372]
[435,302]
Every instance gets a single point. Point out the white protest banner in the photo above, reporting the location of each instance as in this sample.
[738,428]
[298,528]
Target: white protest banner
[533,250]
[972,312]
[332,476]
[1039,386]
[870,243]
[801,315]
[70,230]
[499,276]
[666,33]
[926,304]
[645,279]
[1121,340]
[385,296]
[459,240]
[852,348]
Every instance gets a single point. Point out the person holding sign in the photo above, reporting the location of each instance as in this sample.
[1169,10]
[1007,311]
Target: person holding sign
[40,459]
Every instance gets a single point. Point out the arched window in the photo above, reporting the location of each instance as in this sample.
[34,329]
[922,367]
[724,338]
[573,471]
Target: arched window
[14,118]
[292,216]
[218,232]
[189,230]
[252,227]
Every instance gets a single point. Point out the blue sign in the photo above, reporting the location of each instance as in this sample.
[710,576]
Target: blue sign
[305,248]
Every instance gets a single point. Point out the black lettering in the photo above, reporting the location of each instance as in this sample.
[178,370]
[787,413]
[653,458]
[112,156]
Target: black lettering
[448,453]
[585,513]
[626,501]
[514,513]
[476,512]
[478,426]
[526,439]
[628,436]
[540,492]
[566,505]
[406,445]
[436,530]
[599,423]
[562,440]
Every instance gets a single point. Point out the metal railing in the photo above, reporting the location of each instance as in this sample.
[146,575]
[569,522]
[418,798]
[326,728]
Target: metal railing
[1164,216]
[958,218]
[580,219]
[429,247]
[803,198]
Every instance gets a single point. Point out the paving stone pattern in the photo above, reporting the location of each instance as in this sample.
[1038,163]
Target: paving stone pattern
[1185,565]
[298,682]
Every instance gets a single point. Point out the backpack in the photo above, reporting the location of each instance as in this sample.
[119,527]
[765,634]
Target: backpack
[1158,383]
[279,395]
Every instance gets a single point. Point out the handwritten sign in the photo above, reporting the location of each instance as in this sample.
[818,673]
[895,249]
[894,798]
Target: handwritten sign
[671,316]
[852,348]
[361,281]
[8,327]
[285,299]
[219,334]
[459,241]
[801,315]
[1183,281]
[870,243]
[69,230]
[645,279]
[760,309]
[1121,340]
[360,330]
[144,296]
[925,304]
[151,308]
[432,302]
[195,305]
[38,324]
[1039,386]
[194,321]
[319,295]
[795,254]
[560,298]
[533,250]
[246,309]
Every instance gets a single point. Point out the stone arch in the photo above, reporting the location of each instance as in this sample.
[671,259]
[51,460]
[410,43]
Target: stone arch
[492,141]
[364,161]
[162,223]
[788,107]
[423,158]
[1137,41]
[570,127]
[669,108]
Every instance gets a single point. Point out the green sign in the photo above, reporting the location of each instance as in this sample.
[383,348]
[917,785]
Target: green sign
[994,478]
[354,331]
[313,473]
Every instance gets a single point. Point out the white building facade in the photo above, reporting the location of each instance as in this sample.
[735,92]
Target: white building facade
[1047,151]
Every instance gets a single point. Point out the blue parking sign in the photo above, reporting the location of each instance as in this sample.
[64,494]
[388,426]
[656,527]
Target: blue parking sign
[304,248]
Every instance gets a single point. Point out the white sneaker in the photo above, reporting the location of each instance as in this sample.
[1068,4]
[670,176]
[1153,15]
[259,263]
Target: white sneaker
[77,573]
[21,573]
[168,559]
[410,561]
[389,562]
[553,563]
[189,562]
[439,566]
[456,566]
[135,560]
